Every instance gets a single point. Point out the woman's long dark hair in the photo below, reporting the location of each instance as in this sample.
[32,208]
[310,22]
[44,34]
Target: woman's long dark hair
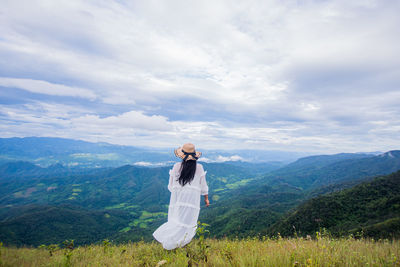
[188,169]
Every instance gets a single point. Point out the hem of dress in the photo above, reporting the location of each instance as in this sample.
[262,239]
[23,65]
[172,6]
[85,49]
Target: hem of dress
[164,242]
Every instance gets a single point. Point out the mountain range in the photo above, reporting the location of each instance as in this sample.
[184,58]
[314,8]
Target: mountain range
[43,205]
[46,151]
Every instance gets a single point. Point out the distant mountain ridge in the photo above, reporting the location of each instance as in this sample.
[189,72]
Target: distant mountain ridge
[46,151]
[24,169]
[324,160]
[316,171]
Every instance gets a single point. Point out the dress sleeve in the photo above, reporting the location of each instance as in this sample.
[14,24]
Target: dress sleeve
[171,179]
[173,175]
[203,184]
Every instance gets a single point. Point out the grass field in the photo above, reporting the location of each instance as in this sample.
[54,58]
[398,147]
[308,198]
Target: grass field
[322,251]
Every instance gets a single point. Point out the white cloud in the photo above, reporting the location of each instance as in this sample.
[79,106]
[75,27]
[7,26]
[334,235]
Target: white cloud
[150,164]
[206,160]
[229,158]
[136,128]
[43,87]
[221,158]
[128,120]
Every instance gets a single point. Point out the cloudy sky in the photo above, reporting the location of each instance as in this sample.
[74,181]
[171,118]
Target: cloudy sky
[317,76]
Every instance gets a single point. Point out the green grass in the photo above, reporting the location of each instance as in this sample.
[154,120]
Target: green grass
[116,206]
[238,183]
[134,223]
[131,207]
[126,229]
[219,189]
[215,197]
[222,179]
[210,252]
[145,218]
[122,206]
[146,215]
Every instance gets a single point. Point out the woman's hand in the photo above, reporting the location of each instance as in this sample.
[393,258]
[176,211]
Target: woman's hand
[206,201]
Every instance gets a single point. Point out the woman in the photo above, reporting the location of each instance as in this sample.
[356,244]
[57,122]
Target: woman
[187,181]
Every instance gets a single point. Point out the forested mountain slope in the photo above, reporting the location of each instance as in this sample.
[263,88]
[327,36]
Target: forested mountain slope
[26,183]
[139,194]
[372,207]
[256,206]
[44,224]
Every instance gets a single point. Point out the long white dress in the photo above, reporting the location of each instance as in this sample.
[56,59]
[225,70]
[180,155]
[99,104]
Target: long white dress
[184,208]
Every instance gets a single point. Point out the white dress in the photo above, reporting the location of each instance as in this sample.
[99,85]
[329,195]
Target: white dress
[184,208]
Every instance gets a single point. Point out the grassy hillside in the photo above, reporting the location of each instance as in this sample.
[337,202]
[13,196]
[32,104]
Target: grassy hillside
[249,252]
[372,207]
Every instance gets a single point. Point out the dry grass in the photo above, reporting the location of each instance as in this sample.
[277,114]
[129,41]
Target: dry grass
[323,251]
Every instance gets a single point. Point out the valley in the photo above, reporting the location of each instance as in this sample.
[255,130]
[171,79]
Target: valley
[44,205]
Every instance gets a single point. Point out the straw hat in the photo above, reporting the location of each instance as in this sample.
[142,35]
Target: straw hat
[187,152]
